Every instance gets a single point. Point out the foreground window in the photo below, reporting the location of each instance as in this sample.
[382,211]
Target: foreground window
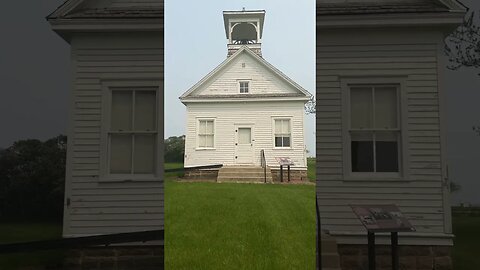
[206,133]
[133,132]
[374,129]
[282,133]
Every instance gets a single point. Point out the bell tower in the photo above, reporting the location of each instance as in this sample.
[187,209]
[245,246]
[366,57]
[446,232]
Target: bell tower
[244,28]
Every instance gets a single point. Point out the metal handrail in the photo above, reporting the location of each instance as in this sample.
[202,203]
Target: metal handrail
[264,164]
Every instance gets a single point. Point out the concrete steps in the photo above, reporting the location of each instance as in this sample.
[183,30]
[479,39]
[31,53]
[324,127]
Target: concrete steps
[244,174]
[330,257]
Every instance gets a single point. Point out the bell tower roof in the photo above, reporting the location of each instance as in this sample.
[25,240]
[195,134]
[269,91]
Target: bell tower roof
[244,27]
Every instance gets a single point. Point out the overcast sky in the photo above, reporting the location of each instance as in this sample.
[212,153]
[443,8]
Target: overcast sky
[35,71]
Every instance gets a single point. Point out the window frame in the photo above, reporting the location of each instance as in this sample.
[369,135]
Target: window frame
[126,85]
[197,133]
[290,119]
[249,84]
[403,161]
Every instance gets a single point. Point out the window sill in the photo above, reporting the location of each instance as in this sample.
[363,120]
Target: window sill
[282,148]
[375,177]
[129,178]
[203,149]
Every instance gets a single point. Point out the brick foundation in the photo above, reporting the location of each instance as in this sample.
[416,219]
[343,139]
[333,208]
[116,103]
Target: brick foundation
[295,175]
[115,258]
[355,257]
[201,174]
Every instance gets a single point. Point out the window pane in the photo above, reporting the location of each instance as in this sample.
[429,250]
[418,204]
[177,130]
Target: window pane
[120,153]
[121,110]
[209,141]
[361,107]
[386,148]
[202,127]
[286,126]
[386,107]
[362,152]
[244,136]
[201,140]
[145,110]
[209,127]
[278,126]
[286,141]
[144,156]
[278,141]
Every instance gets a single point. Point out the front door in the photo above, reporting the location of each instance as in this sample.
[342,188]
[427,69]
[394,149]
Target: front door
[244,144]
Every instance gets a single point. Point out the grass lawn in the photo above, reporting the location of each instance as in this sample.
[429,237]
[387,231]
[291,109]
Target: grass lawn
[311,165]
[24,232]
[239,226]
[232,226]
[466,251]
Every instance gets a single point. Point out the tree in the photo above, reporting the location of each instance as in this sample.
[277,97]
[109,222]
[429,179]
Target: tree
[454,187]
[32,177]
[175,149]
[311,106]
[463,45]
[476,129]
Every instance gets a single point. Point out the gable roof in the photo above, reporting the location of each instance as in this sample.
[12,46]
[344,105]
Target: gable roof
[244,49]
[71,9]
[387,7]
[106,15]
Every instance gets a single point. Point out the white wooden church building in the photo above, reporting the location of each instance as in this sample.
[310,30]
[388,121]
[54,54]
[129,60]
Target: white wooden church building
[244,106]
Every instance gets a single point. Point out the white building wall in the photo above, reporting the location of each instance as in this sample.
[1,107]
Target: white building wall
[422,196]
[260,114]
[95,206]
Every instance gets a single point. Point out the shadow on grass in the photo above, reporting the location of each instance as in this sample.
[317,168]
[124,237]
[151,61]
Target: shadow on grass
[15,232]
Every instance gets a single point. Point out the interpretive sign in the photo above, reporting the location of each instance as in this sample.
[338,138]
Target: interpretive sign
[284,161]
[382,218]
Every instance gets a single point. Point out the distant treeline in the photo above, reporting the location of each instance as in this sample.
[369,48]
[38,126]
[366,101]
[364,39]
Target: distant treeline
[32,177]
[472,211]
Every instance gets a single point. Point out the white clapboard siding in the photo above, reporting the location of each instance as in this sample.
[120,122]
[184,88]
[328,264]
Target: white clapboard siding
[260,114]
[245,67]
[96,206]
[376,53]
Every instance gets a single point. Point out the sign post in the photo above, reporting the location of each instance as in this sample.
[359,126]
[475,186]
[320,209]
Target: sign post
[284,161]
[382,218]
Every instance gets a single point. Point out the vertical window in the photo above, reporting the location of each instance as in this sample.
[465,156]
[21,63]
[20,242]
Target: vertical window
[133,131]
[374,129]
[244,86]
[206,133]
[282,133]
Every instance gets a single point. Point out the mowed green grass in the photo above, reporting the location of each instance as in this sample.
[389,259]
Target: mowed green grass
[239,226]
[466,250]
[311,173]
[25,232]
[231,226]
